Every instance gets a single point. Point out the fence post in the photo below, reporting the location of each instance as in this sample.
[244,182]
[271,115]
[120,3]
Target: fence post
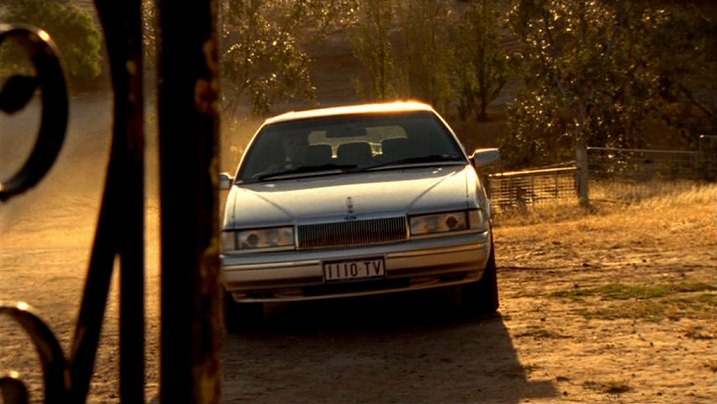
[581,162]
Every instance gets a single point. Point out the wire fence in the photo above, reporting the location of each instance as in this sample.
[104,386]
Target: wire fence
[645,164]
[520,190]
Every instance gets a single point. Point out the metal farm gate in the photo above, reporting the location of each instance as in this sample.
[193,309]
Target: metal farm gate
[188,121]
[529,188]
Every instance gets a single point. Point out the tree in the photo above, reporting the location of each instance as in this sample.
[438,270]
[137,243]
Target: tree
[582,63]
[682,51]
[373,47]
[263,47]
[260,58]
[539,135]
[481,67]
[71,27]
[606,69]
[405,48]
[425,56]
[563,59]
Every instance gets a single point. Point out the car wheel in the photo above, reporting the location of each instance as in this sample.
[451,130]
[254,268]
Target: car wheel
[482,297]
[241,316]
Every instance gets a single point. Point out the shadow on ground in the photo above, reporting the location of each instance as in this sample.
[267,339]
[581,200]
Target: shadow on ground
[415,348]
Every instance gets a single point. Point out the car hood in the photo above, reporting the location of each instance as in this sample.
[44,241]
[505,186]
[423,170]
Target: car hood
[350,196]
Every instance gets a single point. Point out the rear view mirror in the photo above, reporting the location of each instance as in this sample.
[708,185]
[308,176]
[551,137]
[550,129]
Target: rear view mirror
[485,157]
[225,181]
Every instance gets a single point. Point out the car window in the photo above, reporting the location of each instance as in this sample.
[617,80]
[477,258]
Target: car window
[373,135]
[353,142]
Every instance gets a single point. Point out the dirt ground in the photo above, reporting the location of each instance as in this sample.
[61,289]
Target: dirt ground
[555,339]
[617,306]
[610,346]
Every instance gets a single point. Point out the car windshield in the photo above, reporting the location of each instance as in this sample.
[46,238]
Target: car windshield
[337,144]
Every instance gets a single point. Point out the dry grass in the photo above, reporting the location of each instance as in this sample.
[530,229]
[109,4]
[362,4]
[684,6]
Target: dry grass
[700,332]
[634,201]
[655,194]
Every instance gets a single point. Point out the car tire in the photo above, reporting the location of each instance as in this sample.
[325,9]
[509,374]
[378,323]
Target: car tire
[481,297]
[241,316]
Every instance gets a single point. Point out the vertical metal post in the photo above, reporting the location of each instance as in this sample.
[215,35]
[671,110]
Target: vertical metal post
[583,176]
[188,135]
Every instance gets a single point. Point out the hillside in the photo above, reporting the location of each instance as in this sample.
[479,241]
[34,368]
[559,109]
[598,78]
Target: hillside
[337,73]
[337,76]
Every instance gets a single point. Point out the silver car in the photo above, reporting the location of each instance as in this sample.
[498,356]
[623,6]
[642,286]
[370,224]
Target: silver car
[355,201]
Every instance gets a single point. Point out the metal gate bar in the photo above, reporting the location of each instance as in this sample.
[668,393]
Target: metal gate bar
[188,127]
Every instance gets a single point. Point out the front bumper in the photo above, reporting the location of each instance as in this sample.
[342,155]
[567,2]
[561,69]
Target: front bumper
[410,265]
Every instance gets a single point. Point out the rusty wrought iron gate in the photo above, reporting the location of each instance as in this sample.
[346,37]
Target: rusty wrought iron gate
[188,125]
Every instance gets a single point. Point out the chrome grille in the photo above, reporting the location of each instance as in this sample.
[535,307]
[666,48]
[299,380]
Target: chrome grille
[353,232]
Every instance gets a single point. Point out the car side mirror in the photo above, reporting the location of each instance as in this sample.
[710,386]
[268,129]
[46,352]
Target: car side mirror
[225,181]
[485,157]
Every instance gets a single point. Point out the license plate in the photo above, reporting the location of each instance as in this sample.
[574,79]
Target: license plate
[354,270]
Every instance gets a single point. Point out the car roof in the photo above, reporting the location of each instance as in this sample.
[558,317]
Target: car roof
[377,108]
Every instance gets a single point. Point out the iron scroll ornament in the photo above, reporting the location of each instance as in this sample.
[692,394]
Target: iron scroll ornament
[120,226]
[17,92]
[54,365]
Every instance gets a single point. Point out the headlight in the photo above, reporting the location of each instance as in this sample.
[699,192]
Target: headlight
[275,237]
[477,220]
[447,222]
[438,223]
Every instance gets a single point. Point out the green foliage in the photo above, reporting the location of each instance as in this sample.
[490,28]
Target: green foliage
[683,68]
[425,50]
[602,71]
[261,59]
[481,65]
[539,133]
[314,18]
[71,27]
[589,72]
[406,49]
[373,48]
[262,53]
[568,55]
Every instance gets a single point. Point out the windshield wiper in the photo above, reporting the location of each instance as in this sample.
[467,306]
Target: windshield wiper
[305,170]
[431,158]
